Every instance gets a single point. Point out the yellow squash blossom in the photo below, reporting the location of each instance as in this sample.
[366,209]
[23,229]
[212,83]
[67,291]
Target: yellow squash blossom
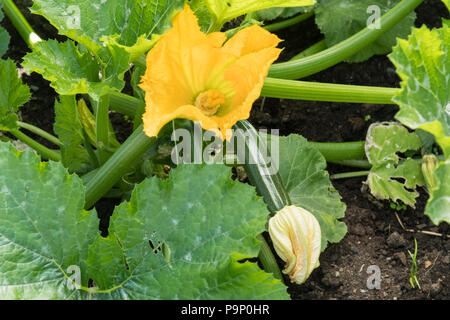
[203,77]
[296,237]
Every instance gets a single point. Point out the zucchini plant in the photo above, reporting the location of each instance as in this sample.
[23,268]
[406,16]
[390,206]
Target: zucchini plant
[192,233]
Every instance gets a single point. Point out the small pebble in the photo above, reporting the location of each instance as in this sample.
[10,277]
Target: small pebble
[435,288]
[354,250]
[427,264]
[401,256]
[395,240]
[446,259]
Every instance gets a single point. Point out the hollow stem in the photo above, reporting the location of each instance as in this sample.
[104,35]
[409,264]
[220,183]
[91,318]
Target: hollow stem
[347,175]
[267,258]
[337,151]
[42,150]
[288,22]
[120,163]
[20,23]
[355,163]
[300,68]
[101,108]
[40,132]
[315,48]
[315,91]
[124,104]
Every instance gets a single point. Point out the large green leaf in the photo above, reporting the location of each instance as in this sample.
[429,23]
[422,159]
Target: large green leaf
[438,206]
[423,64]
[69,129]
[203,222]
[302,170]
[126,23]
[179,238]
[73,71]
[383,143]
[340,19]
[13,94]
[280,12]
[4,35]
[223,11]
[43,227]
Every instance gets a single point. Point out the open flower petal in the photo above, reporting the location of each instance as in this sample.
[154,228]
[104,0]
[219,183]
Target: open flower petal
[186,64]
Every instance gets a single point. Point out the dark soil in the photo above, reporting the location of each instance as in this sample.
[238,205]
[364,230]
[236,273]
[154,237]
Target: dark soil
[375,236]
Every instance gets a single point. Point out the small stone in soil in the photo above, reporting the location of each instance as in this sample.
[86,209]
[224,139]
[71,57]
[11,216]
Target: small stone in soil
[331,281]
[435,288]
[395,240]
[401,256]
[354,250]
[427,264]
[446,259]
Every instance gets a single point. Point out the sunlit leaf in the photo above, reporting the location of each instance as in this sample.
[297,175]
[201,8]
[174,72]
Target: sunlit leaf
[129,24]
[340,19]
[423,64]
[13,94]
[225,10]
[69,129]
[179,238]
[392,177]
[73,71]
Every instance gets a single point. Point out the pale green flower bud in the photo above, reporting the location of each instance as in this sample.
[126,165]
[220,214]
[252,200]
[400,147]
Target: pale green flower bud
[296,237]
[429,165]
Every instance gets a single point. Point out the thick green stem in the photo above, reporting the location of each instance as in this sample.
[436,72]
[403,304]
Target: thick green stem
[315,91]
[355,163]
[140,110]
[124,104]
[288,22]
[287,89]
[310,65]
[20,23]
[347,175]
[267,258]
[101,108]
[40,132]
[315,48]
[120,163]
[336,151]
[42,150]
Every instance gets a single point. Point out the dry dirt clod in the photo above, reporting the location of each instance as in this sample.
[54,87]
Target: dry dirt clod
[395,240]
[331,280]
[435,288]
[446,259]
[401,256]
[359,230]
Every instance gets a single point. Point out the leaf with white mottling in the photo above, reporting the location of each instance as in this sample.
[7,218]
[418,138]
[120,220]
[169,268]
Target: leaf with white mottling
[383,143]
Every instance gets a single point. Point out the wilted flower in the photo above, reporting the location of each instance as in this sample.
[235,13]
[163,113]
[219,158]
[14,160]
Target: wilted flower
[197,76]
[296,238]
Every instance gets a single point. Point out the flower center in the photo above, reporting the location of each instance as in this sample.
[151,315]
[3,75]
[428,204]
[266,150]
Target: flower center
[210,101]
